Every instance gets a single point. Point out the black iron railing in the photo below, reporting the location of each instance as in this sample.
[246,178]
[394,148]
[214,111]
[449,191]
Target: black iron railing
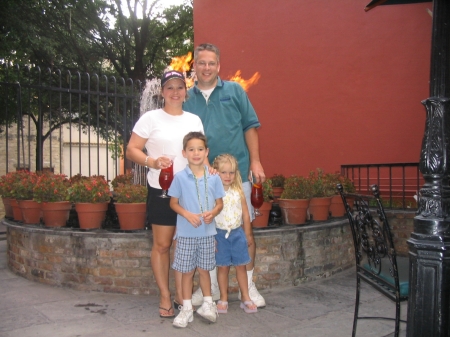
[399,183]
[66,122]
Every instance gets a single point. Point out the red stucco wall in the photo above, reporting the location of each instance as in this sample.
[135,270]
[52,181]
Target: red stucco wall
[338,85]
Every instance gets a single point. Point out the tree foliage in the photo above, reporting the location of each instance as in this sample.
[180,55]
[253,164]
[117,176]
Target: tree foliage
[129,38]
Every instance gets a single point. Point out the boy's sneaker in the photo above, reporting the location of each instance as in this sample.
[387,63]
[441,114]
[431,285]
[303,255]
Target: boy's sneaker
[197,296]
[183,318]
[208,311]
[255,296]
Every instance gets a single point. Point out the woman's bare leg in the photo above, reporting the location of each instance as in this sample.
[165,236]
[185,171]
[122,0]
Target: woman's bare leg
[160,260]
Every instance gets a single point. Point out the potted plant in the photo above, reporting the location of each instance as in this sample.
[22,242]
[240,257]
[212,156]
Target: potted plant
[277,185]
[322,185]
[22,184]
[263,221]
[323,189]
[294,200]
[349,187]
[131,205]
[126,178]
[5,193]
[347,184]
[51,191]
[91,196]
[337,208]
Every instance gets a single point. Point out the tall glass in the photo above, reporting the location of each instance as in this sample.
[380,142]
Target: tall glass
[166,177]
[257,198]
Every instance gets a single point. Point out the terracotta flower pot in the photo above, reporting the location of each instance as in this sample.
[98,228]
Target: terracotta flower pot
[319,208]
[337,208]
[276,191]
[17,212]
[56,214]
[8,208]
[31,211]
[132,216]
[91,216]
[263,220]
[294,211]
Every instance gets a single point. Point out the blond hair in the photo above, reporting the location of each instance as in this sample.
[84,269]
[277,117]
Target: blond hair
[226,158]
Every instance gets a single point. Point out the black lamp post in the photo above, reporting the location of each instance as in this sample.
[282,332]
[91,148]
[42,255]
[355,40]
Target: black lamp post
[429,245]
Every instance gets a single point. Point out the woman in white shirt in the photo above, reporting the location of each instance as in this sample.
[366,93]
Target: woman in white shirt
[161,132]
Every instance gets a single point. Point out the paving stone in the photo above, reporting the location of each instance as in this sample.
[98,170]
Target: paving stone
[319,308]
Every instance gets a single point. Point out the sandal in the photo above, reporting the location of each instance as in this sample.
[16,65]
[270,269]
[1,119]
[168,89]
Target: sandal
[167,311]
[246,306]
[224,305]
[177,305]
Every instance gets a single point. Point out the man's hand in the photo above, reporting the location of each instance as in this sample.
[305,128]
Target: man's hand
[257,172]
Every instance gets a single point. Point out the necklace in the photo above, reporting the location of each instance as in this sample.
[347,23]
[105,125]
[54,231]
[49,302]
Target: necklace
[206,191]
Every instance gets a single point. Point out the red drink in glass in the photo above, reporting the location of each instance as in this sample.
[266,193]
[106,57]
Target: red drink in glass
[165,179]
[257,197]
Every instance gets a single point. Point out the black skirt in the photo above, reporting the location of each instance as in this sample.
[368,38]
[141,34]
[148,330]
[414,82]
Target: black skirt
[158,209]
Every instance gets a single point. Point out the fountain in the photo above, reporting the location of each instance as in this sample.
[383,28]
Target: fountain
[150,100]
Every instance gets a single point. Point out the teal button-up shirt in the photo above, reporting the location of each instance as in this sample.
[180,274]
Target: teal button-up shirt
[226,117]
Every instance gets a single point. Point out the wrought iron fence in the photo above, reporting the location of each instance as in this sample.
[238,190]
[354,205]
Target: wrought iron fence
[66,122]
[399,183]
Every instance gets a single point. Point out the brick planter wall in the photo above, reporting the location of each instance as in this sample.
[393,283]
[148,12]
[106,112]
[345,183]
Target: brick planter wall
[402,225]
[120,262]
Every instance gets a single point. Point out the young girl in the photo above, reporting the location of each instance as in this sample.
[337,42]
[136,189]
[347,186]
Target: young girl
[232,240]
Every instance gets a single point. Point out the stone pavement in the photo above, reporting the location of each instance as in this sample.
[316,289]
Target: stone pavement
[317,309]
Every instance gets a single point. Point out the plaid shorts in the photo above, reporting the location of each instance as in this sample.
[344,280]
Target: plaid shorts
[191,253]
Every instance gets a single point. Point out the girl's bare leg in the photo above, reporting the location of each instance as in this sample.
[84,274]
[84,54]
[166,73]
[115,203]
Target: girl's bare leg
[241,275]
[222,278]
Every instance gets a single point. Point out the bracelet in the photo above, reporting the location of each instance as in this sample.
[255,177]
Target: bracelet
[145,162]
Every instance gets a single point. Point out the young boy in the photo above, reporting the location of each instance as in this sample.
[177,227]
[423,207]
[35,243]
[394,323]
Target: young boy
[196,197]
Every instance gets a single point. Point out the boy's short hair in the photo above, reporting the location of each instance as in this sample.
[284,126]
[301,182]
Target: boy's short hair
[194,135]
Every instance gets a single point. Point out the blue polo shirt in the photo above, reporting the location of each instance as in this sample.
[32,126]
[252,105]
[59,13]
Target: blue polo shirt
[226,117]
[183,187]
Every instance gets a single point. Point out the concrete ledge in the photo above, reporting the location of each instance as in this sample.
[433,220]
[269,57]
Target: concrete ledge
[106,261]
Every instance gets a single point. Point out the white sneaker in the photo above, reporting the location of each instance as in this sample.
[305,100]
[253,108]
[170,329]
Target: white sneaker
[183,318]
[208,311]
[255,296]
[197,296]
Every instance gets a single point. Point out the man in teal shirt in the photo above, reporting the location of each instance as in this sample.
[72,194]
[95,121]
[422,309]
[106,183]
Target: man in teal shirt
[230,125]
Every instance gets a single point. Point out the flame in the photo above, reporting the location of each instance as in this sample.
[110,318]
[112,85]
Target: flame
[181,63]
[246,84]
[184,63]
[189,82]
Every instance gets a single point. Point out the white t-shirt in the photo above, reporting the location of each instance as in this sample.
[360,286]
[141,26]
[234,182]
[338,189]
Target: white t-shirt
[206,93]
[164,134]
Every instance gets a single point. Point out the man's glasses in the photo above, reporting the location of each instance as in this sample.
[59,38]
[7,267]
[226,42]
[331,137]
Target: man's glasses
[204,64]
